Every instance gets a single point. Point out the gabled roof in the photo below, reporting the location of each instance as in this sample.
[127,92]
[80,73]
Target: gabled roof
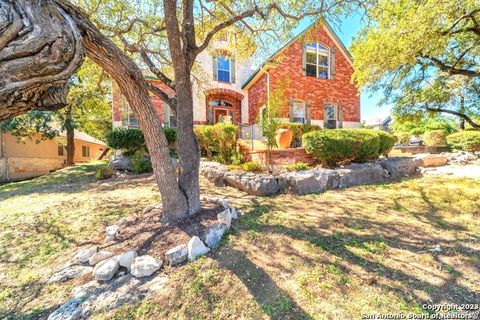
[82,136]
[331,33]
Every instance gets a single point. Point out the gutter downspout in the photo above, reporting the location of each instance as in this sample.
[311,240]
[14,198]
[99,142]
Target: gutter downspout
[268,89]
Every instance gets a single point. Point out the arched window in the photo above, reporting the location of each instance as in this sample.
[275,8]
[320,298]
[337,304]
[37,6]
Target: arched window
[317,60]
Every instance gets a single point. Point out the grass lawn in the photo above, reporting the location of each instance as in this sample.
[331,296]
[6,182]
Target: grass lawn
[334,255]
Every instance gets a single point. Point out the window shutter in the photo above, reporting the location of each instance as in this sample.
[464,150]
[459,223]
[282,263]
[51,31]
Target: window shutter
[166,115]
[210,115]
[332,63]
[304,60]
[290,104]
[215,68]
[308,112]
[232,70]
[340,116]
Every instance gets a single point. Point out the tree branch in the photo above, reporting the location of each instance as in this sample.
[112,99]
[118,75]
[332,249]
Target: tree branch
[455,113]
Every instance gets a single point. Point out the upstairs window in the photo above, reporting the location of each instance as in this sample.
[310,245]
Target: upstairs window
[316,60]
[224,69]
[223,66]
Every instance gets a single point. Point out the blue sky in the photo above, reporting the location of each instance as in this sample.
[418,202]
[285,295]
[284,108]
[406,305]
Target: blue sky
[370,105]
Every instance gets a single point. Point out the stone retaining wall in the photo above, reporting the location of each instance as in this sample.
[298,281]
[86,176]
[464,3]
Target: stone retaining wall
[18,168]
[318,179]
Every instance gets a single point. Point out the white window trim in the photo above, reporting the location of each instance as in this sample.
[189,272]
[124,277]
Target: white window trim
[317,52]
[304,110]
[229,69]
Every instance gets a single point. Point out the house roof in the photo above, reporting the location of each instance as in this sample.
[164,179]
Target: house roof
[82,136]
[329,29]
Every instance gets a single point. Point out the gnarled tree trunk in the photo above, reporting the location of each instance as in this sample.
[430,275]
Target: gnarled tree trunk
[40,48]
[52,32]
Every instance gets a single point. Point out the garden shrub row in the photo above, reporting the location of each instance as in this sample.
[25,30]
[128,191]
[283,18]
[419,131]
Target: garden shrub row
[218,141]
[435,138]
[468,140]
[131,140]
[340,146]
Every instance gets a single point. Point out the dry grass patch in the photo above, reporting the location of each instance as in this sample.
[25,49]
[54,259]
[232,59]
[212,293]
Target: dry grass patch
[334,255]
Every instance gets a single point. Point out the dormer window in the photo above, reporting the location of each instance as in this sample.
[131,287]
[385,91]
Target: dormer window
[224,69]
[316,61]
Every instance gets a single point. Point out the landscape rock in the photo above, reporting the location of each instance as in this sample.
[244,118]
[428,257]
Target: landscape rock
[233,213]
[361,173]
[148,209]
[85,289]
[224,203]
[177,255]
[127,258]
[308,181]
[99,256]
[106,269]
[85,254]
[399,167]
[70,272]
[145,266]
[196,248]
[122,164]
[214,172]
[431,160]
[225,217]
[251,183]
[111,232]
[214,235]
[68,311]
[462,157]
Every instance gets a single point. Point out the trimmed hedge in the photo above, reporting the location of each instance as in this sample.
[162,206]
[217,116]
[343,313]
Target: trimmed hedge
[131,140]
[339,146]
[435,138]
[218,141]
[468,140]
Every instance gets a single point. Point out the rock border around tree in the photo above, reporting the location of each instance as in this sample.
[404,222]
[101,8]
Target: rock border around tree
[107,268]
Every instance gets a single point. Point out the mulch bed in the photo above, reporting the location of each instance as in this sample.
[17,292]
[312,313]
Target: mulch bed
[145,233]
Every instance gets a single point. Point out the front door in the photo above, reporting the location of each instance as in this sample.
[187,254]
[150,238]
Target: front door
[217,113]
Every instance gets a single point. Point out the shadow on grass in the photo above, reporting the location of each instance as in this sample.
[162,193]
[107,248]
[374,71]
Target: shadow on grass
[340,245]
[274,301]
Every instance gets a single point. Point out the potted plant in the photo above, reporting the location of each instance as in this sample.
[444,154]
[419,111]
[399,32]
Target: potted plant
[283,137]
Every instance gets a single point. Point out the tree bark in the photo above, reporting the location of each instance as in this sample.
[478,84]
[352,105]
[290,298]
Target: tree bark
[462,110]
[70,146]
[188,148]
[40,48]
[55,33]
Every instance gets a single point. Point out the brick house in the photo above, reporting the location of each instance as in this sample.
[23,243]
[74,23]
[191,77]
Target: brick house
[313,72]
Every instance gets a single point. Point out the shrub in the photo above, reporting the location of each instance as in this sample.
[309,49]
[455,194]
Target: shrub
[130,140]
[249,166]
[298,130]
[387,141]
[140,163]
[435,138]
[218,141]
[468,140]
[332,147]
[403,137]
[299,166]
[103,172]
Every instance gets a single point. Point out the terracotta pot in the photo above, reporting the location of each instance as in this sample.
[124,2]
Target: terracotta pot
[283,138]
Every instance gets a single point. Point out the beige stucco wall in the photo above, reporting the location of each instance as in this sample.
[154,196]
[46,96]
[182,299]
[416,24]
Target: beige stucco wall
[22,160]
[95,151]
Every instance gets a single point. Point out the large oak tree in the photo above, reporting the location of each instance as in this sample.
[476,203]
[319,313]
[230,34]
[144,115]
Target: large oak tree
[42,43]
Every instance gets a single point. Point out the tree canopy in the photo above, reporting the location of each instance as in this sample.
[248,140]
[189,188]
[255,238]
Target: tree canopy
[423,54]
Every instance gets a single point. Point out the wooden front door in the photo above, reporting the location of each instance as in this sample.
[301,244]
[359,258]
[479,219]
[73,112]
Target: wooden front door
[217,113]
